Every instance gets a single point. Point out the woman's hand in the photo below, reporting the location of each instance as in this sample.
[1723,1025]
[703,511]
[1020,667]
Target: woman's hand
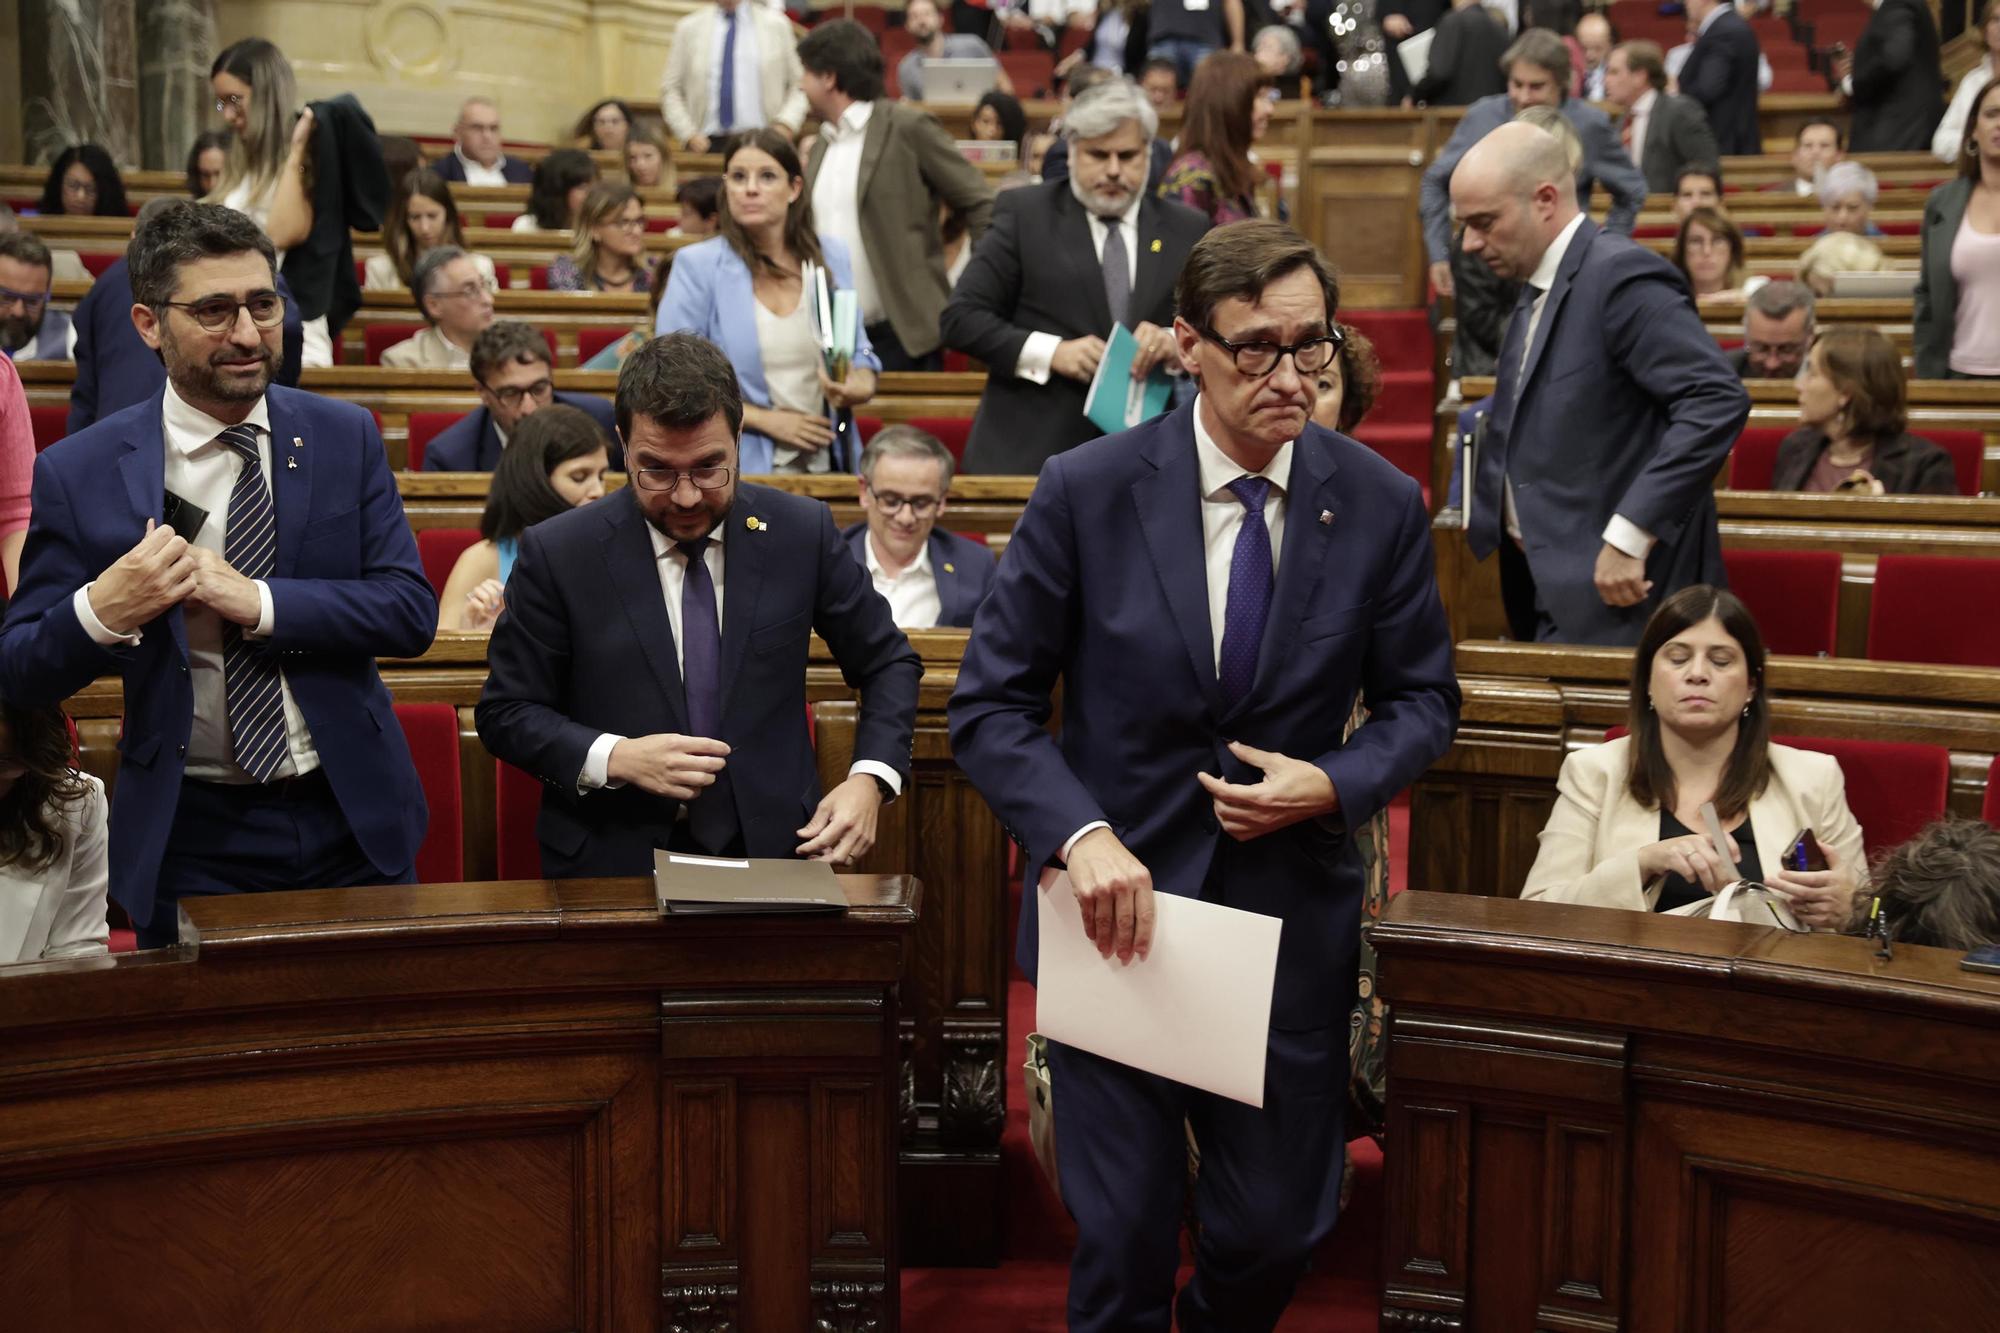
[797,430]
[302,130]
[856,389]
[1692,857]
[1820,899]
[483,606]
[1862,482]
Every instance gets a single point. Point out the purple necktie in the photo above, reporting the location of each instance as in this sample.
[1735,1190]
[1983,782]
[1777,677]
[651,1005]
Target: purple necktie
[711,815]
[1249,603]
[725,101]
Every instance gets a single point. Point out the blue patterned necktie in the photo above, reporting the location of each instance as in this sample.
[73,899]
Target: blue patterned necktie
[251,689]
[712,814]
[1249,604]
[725,102]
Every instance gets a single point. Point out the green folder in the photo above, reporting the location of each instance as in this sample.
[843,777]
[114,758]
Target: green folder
[1117,401]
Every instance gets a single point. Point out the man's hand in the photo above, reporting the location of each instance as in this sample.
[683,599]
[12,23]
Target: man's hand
[1077,358]
[222,590]
[1114,892]
[302,130]
[1156,348]
[1621,579]
[1292,790]
[1843,68]
[1397,27]
[842,829]
[666,764]
[1441,278]
[152,576]
[698,144]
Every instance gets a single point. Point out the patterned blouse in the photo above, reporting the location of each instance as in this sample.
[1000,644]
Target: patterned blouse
[1190,180]
[565,276]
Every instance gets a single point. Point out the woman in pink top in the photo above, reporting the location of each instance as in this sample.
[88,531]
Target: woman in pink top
[1957,333]
[17,470]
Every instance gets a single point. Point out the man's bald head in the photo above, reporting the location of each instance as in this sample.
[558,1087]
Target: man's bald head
[1593,34]
[1513,193]
[478,130]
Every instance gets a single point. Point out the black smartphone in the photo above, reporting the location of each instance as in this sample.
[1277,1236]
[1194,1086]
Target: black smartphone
[1982,960]
[1804,853]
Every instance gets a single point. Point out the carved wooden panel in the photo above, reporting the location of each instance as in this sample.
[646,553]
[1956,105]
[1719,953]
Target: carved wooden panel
[699,1160]
[1479,835]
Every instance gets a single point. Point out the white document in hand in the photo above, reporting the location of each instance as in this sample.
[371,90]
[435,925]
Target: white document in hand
[1197,1010]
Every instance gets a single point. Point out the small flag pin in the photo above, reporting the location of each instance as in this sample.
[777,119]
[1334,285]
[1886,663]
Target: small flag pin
[1326,516]
[298,442]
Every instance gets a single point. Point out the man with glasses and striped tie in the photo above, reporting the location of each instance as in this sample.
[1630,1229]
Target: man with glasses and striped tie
[237,554]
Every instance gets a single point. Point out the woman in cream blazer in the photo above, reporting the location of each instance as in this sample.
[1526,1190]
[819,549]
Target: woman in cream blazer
[58,911]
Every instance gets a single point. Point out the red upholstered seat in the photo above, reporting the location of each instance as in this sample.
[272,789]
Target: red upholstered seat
[1894,788]
[1406,396]
[432,730]
[505,222]
[425,427]
[589,342]
[501,275]
[1755,458]
[1968,455]
[1794,596]
[865,427]
[1989,809]
[958,363]
[1402,338]
[379,338]
[518,803]
[97,263]
[439,549]
[952,432]
[1935,608]
[538,277]
[49,424]
[1033,72]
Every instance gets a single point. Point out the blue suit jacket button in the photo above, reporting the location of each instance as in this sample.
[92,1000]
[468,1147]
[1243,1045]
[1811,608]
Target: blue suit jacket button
[181,751]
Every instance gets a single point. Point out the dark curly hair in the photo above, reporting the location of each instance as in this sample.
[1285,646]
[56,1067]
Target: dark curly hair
[1941,888]
[31,835]
[555,176]
[1360,377]
[110,187]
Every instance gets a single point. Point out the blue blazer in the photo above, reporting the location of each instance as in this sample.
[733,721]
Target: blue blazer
[1721,74]
[449,168]
[1105,588]
[963,569]
[115,368]
[1627,406]
[347,588]
[472,443]
[709,292]
[585,647]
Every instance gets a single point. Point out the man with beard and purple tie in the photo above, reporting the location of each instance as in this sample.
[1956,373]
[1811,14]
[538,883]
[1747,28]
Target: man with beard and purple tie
[650,666]
[237,554]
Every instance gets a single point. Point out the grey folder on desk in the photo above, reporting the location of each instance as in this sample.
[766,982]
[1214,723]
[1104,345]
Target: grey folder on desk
[707,885]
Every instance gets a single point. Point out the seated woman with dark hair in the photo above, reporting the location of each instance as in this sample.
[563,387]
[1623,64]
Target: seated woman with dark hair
[1350,384]
[207,160]
[1627,830]
[554,461]
[1708,251]
[606,126]
[421,217]
[555,194]
[1852,414]
[999,117]
[84,182]
[54,857]
[1941,888]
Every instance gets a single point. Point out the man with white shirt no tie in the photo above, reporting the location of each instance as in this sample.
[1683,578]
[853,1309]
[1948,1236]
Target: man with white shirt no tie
[476,157]
[929,576]
[238,554]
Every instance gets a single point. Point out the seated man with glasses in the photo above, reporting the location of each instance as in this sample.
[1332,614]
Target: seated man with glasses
[650,666]
[456,299]
[929,576]
[1777,332]
[29,329]
[515,372]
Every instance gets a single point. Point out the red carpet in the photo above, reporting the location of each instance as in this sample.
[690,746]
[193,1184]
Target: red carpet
[1025,1293]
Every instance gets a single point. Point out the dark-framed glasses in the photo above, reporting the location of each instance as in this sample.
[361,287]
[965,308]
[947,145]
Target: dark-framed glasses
[512,395]
[32,300]
[470,291]
[217,314]
[1791,349]
[667,478]
[1257,359]
[890,503]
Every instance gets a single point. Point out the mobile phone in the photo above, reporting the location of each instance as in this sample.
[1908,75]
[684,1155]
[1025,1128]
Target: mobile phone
[1982,960]
[1804,853]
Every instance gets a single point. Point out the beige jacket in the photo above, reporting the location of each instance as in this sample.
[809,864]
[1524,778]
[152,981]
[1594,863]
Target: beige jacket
[685,87]
[429,350]
[1590,846]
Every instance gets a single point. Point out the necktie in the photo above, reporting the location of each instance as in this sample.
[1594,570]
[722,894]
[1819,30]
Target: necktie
[725,110]
[1489,485]
[1249,604]
[1117,278]
[1625,132]
[712,814]
[251,691]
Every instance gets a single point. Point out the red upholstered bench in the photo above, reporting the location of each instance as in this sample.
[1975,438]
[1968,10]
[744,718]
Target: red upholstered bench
[517,804]
[1794,595]
[1893,787]
[379,338]
[952,432]
[1935,608]
[49,425]
[432,730]
[1754,458]
[589,342]
[439,549]
[425,427]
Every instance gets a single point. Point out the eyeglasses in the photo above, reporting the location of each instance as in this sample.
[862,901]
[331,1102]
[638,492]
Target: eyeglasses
[1706,243]
[217,314]
[79,188]
[1777,349]
[892,504]
[667,478]
[32,300]
[1257,359]
[471,291]
[232,102]
[512,395]
[628,224]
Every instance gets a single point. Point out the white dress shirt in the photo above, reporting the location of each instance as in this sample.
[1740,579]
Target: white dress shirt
[478,175]
[202,471]
[1222,516]
[673,566]
[913,594]
[1039,351]
[58,911]
[748,112]
[837,199]
[1640,114]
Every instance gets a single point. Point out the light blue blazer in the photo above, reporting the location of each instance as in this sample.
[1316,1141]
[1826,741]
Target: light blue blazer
[709,293]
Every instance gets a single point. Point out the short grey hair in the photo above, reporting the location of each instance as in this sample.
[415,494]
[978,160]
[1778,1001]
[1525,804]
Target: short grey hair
[1282,35]
[428,265]
[1845,178]
[1780,300]
[902,441]
[1102,109]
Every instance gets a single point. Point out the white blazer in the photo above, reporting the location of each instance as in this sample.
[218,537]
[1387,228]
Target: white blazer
[685,85]
[59,912]
[1590,846]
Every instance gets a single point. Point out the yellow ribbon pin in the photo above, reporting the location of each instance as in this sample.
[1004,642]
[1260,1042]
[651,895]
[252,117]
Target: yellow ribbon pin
[1156,245]
[950,568]
[754,523]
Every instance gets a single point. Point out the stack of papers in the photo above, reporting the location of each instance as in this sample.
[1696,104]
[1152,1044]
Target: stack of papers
[705,885]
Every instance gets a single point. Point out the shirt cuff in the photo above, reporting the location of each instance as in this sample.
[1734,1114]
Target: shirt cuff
[1847,85]
[875,768]
[597,764]
[1077,836]
[1628,537]
[264,613]
[94,627]
[1037,357]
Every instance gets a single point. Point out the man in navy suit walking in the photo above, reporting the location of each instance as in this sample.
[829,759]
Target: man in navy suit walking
[1721,73]
[928,576]
[238,555]
[1212,589]
[1613,410]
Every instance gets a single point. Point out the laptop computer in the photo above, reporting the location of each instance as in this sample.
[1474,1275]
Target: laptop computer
[1894,284]
[959,82]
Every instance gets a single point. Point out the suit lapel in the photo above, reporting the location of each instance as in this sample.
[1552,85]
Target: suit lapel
[1168,501]
[1075,244]
[1308,491]
[950,579]
[1558,293]
[291,487]
[1153,272]
[488,442]
[872,140]
[745,551]
[144,468]
[632,573]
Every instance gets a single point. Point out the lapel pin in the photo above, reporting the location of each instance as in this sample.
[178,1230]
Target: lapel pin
[950,568]
[1326,517]
[298,442]
[754,523]
[291,463]
[1156,245]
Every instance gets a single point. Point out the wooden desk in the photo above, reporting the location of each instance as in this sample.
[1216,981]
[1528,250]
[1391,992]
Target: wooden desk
[1625,1123]
[532,1105]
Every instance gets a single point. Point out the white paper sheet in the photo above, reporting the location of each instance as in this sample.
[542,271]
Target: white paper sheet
[1415,53]
[1197,1010]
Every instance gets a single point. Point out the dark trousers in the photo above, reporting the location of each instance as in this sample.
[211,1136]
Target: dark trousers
[1268,1191]
[1527,621]
[256,838]
[890,349]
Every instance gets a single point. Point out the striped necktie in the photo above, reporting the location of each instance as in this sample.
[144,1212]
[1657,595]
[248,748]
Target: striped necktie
[249,669]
